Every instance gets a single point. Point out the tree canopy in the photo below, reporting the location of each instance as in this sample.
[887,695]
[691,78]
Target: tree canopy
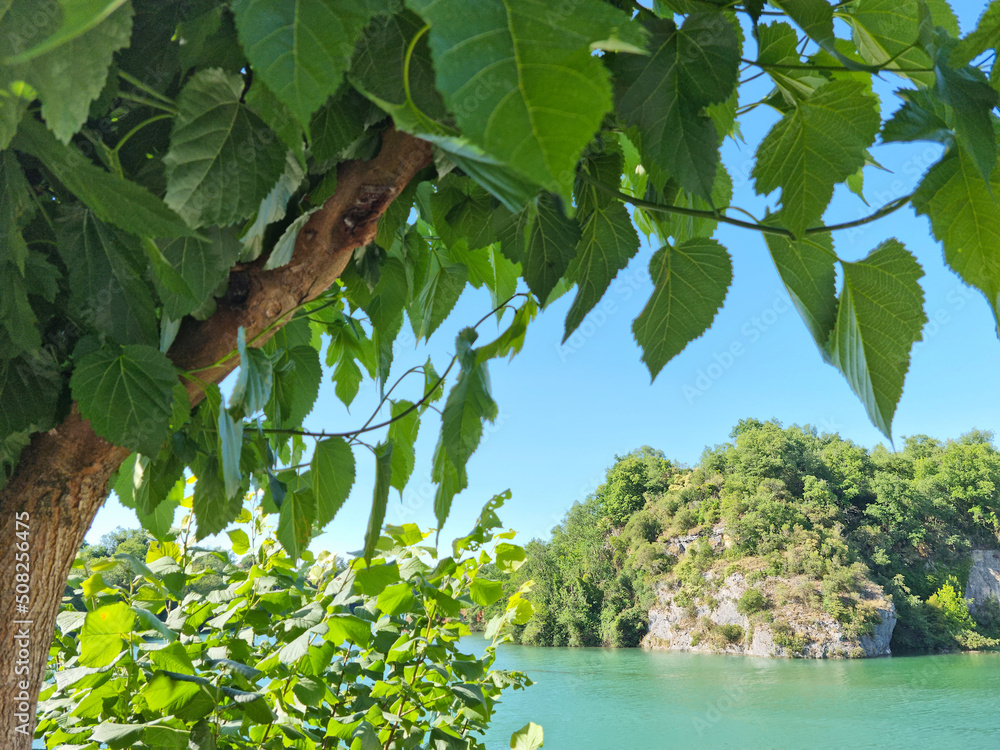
[188,187]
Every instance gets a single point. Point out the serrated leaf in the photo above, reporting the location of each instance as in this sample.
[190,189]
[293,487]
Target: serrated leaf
[691,282]
[464,211]
[253,384]
[534,95]
[985,36]
[240,541]
[661,97]
[808,271]
[337,124]
[921,118]
[101,639]
[297,375]
[126,392]
[203,264]
[965,218]
[403,433]
[284,248]
[122,203]
[972,100]
[437,298]
[91,31]
[272,208]
[879,317]
[223,160]
[295,521]
[332,477]
[608,241]
[29,392]
[118,735]
[106,279]
[263,103]
[818,144]
[469,403]
[380,496]
[379,71]
[230,449]
[550,242]
[887,33]
[214,508]
[302,48]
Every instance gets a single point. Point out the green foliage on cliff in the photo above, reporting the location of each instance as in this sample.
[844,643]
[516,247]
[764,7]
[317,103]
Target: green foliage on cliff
[826,515]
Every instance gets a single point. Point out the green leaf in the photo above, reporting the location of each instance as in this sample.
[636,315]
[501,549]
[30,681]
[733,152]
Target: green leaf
[77,19]
[91,31]
[118,735]
[437,298]
[338,124]
[297,375]
[125,392]
[528,737]
[230,449]
[972,100]
[253,384]
[484,591]
[29,392]
[284,248]
[203,264]
[815,18]
[101,638]
[965,218]
[223,159]
[661,97]
[921,118]
[985,36]
[295,521]
[272,209]
[379,71]
[403,434]
[122,203]
[371,580]
[535,94]
[395,599]
[106,279]
[608,241]
[214,508]
[807,268]
[240,541]
[302,48]
[344,627]
[879,317]
[332,477]
[887,33]
[464,211]
[151,622]
[380,497]
[818,144]
[691,282]
[469,403]
[550,242]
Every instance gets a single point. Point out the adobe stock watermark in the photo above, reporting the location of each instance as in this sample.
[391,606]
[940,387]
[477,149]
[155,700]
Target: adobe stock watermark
[724,360]
[730,698]
[623,287]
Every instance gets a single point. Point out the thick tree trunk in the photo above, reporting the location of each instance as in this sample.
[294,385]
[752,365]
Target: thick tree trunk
[62,478]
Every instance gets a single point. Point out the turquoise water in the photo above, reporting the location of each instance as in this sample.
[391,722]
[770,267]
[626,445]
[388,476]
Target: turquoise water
[591,699]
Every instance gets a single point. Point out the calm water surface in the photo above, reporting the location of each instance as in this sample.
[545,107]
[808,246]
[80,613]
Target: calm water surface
[590,699]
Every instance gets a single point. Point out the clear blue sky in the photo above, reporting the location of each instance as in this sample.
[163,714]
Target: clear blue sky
[567,410]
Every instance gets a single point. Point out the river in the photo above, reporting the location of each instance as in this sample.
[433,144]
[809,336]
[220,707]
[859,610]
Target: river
[630,699]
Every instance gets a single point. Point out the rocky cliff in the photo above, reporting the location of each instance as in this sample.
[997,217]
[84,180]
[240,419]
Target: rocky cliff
[984,578]
[781,619]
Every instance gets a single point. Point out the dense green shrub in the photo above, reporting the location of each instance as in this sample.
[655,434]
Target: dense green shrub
[752,601]
[309,656]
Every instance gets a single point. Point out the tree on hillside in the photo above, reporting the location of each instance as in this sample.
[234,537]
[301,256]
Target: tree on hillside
[192,187]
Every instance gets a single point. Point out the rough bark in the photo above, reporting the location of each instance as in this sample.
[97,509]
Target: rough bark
[62,478]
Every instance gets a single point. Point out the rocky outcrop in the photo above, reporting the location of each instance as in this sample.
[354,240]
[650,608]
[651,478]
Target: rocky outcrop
[779,628]
[984,578]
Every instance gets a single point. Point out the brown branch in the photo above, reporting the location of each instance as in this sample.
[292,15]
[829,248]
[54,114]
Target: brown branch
[62,477]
